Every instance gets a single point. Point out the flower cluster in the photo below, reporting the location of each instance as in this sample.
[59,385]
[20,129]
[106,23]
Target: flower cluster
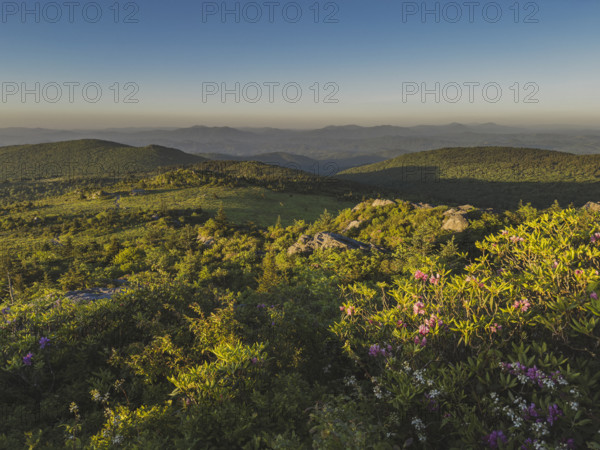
[554,413]
[434,321]
[516,239]
[595,238]
[523,305]
[27,359]
[422,276]
[533,375]
[349,310]
[419,309]
[494,328]
[492,439]
[422,342]
[376,350]
[44,341]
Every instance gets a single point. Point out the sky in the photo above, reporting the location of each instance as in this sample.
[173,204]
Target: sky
[298,64]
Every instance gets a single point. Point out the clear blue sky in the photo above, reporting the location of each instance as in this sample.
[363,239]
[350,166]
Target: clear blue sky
[376,56]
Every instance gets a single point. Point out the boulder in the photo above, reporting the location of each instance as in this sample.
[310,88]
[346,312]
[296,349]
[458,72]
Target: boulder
[206,241]
[592,206]
[422,206]
[352,225]
[382,202]
[466,207]
[307,244]
[456,223]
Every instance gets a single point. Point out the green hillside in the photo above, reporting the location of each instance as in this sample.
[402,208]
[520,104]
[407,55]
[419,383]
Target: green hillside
[489,176]
[86,157]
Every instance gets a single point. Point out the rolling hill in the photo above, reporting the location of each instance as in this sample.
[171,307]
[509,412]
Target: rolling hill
[86,157]
[490,176]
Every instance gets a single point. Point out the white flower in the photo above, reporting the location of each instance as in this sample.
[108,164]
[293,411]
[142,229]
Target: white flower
[539,428]
[574,406]
[377,392]
[433,393]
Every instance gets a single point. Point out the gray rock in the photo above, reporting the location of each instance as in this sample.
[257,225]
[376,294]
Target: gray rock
[382,202]
[422,206]
[456,223]
[466,207]
[206,241]
[352,225]
[325,240]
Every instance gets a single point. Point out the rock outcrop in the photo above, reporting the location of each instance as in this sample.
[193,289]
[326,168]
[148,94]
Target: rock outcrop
[455,222]
[206,241]
[382,202]
[353,224]
[308,244]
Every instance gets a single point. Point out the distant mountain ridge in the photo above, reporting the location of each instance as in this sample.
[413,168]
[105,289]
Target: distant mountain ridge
[327,143]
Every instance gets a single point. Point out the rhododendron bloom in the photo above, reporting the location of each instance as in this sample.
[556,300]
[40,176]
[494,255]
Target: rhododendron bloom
[43,342]
[421,275]
[495,328]
[594,296]
[423,329]
[418,308]
[523,305]
[595,238]
[27,359]
[434,280]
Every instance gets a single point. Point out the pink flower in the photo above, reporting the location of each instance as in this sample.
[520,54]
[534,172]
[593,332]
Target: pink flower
[578,272]
[434,321]
[555,264]
[423,329]
[350,310]
[595,238]
[421,275]
[523,305]
[495,328]
[504,232]
[418,308]
[434,280]
[594,296]
[516,239]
